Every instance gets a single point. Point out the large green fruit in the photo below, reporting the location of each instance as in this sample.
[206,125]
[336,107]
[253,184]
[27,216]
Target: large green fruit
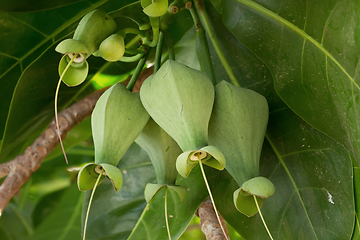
[180,100]
[237,127]
[163,151]
[117,120]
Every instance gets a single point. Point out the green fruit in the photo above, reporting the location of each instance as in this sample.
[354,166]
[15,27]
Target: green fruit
[180,100]
[117,120]
[154,8]
[94,28]
[112,48]
[163,151]
[237,127]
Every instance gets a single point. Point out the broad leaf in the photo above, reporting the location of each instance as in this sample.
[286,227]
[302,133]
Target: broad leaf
[28,71]
[312,201]
[309,170]
[65,221]
[312,52]
[152,224]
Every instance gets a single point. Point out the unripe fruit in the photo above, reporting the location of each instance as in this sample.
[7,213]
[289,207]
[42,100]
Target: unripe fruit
[112,48]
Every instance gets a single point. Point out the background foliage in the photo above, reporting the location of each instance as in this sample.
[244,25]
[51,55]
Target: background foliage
[303,56]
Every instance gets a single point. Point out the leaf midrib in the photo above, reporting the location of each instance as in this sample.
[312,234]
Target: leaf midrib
[303,34]
[281,160]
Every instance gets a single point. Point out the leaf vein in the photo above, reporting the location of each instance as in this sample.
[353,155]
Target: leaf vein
[296,29]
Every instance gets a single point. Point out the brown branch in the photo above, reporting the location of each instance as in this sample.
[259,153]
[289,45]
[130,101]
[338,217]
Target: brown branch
[19,169]
[209,223]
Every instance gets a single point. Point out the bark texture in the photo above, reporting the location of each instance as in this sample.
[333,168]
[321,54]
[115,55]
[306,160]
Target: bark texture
[209,223]
[20,169]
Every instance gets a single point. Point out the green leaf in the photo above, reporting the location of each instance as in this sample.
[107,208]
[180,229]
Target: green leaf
[65,221]
[308,179]
[311,58]
[356,171]
[13,225]
[309,170]
[30,5]
[185,50]
[28,71]
[151,224]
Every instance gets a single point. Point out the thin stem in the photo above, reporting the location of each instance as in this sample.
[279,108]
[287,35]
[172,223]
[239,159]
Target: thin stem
[137,72]
[135,58]
[90,201]
[203,15]
[170,45]
[166,214]
[210,195]
[257,205]
[156,33]
[56,103]
[204,46]
[158,52]
[134,31]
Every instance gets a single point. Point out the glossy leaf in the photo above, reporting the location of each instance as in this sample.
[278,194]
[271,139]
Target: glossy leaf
[65,221]
[308,50]
[356,171]
[28,66]
[28,70]
[306,184]
[151,224]
[309,170]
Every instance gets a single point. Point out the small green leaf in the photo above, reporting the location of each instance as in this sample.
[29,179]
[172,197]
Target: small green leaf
[71,46]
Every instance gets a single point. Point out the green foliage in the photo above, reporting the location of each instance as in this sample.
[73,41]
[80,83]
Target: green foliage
[302,56]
